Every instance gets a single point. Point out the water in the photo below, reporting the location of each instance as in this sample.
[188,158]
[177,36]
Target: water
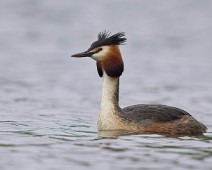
[49,102]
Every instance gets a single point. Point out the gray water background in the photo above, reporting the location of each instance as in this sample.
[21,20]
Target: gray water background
[49,102]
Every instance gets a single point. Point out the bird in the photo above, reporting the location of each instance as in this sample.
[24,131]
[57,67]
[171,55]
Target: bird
[140,118]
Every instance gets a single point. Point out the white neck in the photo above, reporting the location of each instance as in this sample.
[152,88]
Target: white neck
[110,92]
[110,103]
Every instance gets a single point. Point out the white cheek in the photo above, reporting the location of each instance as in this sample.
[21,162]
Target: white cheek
[101,54]
[96,56]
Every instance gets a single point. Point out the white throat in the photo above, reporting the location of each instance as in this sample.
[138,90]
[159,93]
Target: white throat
[110,103]
[110,92]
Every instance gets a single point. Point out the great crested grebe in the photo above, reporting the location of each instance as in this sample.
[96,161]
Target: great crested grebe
[141,118]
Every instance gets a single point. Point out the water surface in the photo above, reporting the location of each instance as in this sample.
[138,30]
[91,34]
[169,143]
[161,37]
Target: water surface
[49,102]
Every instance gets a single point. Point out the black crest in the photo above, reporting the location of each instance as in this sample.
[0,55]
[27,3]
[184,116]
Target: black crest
[104,38]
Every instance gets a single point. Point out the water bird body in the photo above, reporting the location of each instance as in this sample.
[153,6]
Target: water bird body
[141,118]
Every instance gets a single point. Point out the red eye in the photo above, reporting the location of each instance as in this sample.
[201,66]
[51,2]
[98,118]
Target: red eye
[99,49]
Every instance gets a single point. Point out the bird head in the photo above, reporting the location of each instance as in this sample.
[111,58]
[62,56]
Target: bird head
[105,51]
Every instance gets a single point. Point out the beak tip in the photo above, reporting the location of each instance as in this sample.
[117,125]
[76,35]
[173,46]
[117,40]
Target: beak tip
[74,55]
